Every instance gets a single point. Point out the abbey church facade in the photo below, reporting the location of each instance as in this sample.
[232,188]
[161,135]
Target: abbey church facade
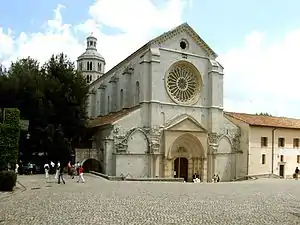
[159,112]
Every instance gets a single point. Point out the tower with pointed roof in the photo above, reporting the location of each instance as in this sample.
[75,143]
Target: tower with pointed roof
[91,63]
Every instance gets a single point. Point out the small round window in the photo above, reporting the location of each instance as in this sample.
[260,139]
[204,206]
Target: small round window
[183,44]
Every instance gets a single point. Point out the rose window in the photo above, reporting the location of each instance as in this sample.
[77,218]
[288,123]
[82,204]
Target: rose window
[182,84]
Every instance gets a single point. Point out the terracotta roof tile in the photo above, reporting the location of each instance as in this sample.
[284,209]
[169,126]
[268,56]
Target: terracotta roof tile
[110,118]
[267,121]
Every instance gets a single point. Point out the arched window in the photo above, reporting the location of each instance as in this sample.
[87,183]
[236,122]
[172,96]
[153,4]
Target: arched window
[88,78]
[121,99]
[91,65]
[88,66]
[99,67]
[137,93]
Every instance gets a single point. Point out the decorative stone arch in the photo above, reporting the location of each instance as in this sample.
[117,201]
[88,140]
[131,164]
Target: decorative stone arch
[92,164]
[192,145]
[186,157]
[224,159]
[132,132]
[226,138]
[183,82]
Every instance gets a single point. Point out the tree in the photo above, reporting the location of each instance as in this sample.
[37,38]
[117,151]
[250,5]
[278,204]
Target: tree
[52,97]
[9,137]
[66,95]
[263,114]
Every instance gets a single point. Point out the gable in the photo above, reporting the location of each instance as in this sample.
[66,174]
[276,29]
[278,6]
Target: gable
[174,44]
[196,45]
[186,124]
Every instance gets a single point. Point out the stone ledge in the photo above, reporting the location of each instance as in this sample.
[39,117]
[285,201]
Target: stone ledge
[153,179]
[156,179]
[107,177]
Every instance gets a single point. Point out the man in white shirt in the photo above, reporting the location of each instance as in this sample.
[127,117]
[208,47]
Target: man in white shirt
[47,167]
[52,167]
[57,170]
[17,168]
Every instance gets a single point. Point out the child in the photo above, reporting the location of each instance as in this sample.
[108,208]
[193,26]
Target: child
[80,175]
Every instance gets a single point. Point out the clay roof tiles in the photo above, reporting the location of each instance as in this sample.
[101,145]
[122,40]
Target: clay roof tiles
[267,121]
[110,118]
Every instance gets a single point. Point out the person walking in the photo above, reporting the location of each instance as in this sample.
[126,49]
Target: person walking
[57,170]
[77,166]
[52,164]
[297,172]
[80,178]
[61,174]
[30,168]
[17,168]
[70,172]
[47,168]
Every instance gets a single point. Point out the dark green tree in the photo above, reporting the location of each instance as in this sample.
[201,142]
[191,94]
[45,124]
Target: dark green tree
[52,97]
[66,97]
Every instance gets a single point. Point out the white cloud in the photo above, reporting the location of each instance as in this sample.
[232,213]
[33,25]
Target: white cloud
[259,76]
[263,75]
[139,20]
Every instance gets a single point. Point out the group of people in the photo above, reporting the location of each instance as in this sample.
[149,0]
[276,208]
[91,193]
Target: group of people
[20,168]
[58,170]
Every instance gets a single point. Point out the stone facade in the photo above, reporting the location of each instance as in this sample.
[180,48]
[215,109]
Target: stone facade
[159,113]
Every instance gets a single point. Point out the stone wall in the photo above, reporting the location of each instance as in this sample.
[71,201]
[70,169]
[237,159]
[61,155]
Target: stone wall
[85,153]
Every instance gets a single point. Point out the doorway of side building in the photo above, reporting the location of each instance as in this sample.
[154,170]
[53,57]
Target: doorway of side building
[181,168]
[281,170]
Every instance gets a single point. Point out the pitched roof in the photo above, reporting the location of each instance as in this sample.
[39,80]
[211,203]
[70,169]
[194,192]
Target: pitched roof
[110,118]
[266,121]
[160,39]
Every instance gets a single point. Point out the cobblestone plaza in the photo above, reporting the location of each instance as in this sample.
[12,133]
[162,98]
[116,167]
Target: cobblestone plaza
[98,201]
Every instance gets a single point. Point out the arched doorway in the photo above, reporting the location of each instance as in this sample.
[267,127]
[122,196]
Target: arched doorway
[186,158]
[181,168]
[92,165]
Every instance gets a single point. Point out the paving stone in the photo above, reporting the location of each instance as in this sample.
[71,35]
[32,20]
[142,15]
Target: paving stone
[99,201]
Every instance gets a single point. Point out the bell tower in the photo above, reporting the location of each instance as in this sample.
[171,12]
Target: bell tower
[91,63]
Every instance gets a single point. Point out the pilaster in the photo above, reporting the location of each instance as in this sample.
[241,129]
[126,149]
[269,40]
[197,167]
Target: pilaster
[114,93]
[101,89]
[93,103]
[205,172]
[127,91]
[108,157]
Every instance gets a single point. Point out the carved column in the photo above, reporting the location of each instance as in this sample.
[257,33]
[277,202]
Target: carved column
[157,164]
[114,93]
[101,90]
[213,140]
[204,171]
[128,90]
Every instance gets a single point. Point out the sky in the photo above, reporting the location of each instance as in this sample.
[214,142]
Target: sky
[258,42]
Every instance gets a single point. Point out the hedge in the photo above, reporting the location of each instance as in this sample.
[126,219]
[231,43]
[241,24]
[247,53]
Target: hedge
[9,137]
[7,180]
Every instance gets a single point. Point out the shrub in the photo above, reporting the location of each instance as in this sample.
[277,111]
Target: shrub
[8,180]
[9,137]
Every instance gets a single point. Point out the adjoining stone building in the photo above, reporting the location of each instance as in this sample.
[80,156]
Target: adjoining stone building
[159,113]
[272,143]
